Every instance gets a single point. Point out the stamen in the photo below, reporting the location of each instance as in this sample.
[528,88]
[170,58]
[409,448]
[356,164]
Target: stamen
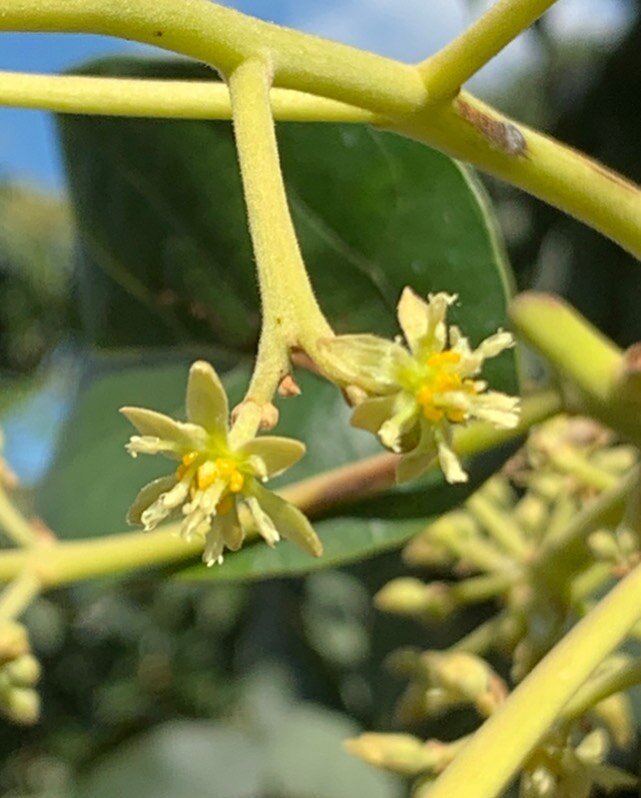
[439,359]
[206,475]
[186,461]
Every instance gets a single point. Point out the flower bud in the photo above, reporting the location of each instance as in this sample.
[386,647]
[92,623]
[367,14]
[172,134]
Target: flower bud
[398,753]
[408,596]
[594,748]
[466,677]
[23,671]
[531,512]
[14,641]
[603,545]
[21,705]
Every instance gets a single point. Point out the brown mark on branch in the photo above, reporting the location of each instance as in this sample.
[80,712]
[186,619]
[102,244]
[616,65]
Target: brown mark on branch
[501,135]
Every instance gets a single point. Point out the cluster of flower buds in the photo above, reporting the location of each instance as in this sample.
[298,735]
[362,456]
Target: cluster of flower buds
[19,675]
[489,550]
[443,680]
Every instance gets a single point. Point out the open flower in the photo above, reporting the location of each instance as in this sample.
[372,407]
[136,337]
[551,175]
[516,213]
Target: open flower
[217,484]
[416,395]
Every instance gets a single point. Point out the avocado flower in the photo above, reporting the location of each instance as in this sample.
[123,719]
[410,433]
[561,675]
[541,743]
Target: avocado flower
[217,483]
[417,394]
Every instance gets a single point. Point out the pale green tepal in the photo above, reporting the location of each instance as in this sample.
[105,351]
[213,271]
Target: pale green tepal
[217,484]
[415,395]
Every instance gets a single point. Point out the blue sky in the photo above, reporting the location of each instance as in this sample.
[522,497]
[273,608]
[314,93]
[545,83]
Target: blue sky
[406,29]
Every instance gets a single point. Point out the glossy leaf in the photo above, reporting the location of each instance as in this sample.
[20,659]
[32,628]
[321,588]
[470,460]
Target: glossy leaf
[168,258]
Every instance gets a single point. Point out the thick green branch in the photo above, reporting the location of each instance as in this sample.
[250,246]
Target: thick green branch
[166,99]
[445,72]
[540,698]
[463,127]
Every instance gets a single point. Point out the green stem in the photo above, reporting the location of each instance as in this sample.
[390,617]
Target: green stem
[457,62]
[568,461]
[476,589]
[13,523]
[288,301]
[516,728]
[616,677]
[67,562]
[562,555]
[500,526]
[173,99]
[465,127]
[576,349]
[17,595]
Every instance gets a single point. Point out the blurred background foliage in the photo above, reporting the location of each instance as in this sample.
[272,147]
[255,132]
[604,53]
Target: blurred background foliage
[157,687]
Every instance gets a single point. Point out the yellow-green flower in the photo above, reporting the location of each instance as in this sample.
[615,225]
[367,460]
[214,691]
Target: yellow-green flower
[417,394]
[217,484]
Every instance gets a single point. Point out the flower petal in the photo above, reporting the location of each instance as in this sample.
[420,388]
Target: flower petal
[499,409]
[147,496]
[413,317]
[435,337]
[214,545]
[207,403]
[372,413]
[164,505]
[370,362]
[231,528]
[148,444]
[417,462]
[406,412]
[495,344]
[288,520]
[187,437]
[449,462]
[263,522]
[276,454]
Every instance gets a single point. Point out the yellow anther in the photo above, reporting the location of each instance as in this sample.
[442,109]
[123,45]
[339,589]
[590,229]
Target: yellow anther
[189,458]
[206,475]
[236,482]
[446,382]
[469,387]
[432,413]
[225,467]
[455,415]
[440,359]
[186,461]
[424,396]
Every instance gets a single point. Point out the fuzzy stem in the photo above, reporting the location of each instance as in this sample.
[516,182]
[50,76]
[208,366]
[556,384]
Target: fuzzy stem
[458,61]
[500,525]
[165,99]
[288,301]
[17,595]
[13,523]
[464,127]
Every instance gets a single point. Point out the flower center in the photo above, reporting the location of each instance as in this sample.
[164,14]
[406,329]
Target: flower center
[441,377]
[221,469]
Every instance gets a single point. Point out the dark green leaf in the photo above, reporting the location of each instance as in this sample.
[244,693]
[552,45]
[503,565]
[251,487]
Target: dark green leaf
[167,259]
